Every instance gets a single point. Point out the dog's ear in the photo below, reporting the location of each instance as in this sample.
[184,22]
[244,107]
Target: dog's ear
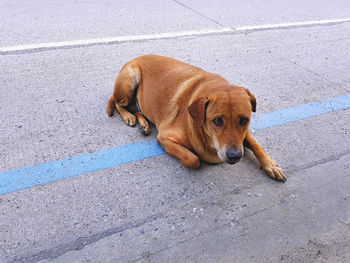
[198,108]
[252,100]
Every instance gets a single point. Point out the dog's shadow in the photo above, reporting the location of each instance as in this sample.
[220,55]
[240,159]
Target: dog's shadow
[250,158]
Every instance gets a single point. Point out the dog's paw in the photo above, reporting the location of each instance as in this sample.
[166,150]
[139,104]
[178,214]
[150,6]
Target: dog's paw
[274,171]
[145,130]
[130,119]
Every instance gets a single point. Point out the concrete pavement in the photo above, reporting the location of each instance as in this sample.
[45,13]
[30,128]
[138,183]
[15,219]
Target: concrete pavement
[155,210]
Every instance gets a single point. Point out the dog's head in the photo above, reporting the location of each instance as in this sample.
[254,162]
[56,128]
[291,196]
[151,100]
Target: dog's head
[223,115]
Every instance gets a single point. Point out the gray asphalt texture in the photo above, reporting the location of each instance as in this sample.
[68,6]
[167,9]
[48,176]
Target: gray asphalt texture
[156,210]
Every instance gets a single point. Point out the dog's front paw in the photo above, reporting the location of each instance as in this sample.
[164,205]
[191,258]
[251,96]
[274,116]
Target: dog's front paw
[274,171]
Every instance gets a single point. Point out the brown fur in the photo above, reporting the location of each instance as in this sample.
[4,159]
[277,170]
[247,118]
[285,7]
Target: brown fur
[188,106]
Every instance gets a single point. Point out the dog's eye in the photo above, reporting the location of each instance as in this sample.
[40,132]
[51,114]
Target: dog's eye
[243,121]
[218,122]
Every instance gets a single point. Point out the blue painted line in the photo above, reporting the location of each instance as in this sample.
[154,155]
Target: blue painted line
[301,112]
[56,170]
[52,171]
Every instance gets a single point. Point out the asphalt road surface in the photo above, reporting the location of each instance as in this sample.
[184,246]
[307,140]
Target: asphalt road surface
[78,186]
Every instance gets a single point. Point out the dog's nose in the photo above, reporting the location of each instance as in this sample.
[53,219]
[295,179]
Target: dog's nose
[233,155]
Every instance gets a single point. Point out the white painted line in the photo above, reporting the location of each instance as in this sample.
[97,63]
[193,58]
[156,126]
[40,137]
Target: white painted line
[120,39]
[96,41]
[303,23]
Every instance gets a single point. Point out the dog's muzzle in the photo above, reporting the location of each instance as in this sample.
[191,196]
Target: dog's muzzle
[233,156]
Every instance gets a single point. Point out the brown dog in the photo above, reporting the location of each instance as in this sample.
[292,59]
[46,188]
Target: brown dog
[199,115]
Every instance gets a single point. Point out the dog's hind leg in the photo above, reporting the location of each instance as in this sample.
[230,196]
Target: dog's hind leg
[145,129]
[124,93]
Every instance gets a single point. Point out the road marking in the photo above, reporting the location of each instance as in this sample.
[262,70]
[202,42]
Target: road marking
[121,39]
[27,177]
[301,112]
[293,24]
[110,40]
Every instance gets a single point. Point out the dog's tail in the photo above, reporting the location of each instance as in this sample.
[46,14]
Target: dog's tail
[110,106]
